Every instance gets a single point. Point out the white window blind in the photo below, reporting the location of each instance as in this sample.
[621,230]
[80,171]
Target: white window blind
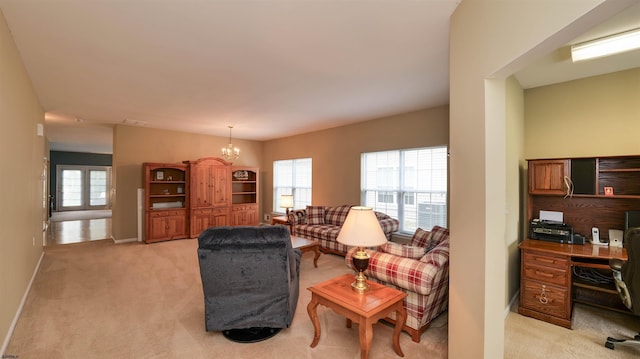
[410,185]
[292,177]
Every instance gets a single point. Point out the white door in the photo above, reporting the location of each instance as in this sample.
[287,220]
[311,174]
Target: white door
[83,187]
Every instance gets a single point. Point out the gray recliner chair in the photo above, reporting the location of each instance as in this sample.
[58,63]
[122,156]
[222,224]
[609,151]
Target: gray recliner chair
[627,279]
[250,279]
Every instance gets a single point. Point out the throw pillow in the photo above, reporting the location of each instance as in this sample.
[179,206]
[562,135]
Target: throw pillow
[403,250]
[438,234]
[315,214]
[421,238]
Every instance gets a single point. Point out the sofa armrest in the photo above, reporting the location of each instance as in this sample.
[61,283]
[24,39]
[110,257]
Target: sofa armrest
[296,217]
[415,275]
[389,225]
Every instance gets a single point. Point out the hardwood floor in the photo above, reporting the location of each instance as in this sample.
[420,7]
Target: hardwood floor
[79,230]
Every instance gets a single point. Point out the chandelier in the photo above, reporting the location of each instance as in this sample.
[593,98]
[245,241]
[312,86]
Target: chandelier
[230,153]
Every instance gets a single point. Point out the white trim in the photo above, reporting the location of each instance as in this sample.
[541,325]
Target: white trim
[126,240]
[12,327]
[511,302]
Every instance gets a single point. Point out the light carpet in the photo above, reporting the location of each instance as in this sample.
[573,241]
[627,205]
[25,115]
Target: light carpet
[101,300]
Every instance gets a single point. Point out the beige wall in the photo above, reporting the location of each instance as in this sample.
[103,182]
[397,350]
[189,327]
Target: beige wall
[22,158]
[336,152]
[596,116]
[489,41]
[133,146]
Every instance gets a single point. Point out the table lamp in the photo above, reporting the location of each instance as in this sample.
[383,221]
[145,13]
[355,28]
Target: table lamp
[286,201]
[361,229]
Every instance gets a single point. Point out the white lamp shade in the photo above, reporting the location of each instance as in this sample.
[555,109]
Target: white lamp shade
[361,229]
[286,201]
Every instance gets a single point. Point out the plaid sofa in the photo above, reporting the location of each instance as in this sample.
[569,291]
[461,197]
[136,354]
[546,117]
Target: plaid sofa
[421,270]
[324,223]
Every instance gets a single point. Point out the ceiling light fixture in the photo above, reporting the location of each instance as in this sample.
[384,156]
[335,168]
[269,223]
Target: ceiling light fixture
[609,45]
[230,153]
[127,121]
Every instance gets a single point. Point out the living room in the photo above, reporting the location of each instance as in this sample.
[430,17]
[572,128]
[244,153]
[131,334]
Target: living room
[476,206]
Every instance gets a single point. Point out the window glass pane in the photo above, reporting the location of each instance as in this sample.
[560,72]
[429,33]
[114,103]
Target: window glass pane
[97,188]
[410,185]
[71,188]
[292,177]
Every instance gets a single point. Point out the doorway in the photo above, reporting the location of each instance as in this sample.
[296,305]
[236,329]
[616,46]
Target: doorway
[83,187]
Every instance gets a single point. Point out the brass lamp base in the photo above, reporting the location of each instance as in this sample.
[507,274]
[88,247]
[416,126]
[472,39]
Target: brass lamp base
[361,263]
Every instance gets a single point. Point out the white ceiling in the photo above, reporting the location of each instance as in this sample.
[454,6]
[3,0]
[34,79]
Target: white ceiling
[270,68]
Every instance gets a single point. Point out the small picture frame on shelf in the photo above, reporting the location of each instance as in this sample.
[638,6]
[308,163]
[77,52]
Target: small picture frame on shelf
[159,176]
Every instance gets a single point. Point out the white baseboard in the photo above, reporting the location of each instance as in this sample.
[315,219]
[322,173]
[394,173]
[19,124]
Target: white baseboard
[12,327]
[511,302]
[121,241]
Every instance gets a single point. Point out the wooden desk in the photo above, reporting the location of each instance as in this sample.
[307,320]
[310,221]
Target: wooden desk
[363,308]
[548,287]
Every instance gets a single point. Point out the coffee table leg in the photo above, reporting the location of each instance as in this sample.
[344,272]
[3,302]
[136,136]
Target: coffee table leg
[312,309]
[365,330]
[401,316]
[316,249]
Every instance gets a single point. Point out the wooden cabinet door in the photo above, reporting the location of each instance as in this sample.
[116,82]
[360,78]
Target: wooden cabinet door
[237,217]
[220,217]
[251,215]
[200,220]
[166,225]
[157,229]
[244,215]
[220,183]
[201,187]
[548,176]
[176,226]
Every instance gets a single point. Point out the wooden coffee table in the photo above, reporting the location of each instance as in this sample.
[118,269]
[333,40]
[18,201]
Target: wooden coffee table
[307,245]
[365,309]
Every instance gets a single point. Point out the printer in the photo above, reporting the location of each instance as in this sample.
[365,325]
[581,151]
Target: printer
[553,231]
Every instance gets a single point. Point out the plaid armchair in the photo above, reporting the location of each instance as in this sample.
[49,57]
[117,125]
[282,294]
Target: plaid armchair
[421,270]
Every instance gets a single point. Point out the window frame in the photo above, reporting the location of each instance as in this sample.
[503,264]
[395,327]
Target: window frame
[302,195]
[429,205]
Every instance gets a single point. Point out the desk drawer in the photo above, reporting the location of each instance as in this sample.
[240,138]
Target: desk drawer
[547,275]
[546,299]
[546,260]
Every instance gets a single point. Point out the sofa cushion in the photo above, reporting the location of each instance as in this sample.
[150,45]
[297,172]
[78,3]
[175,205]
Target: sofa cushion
[315,215]
[403,250]
[336,215]
[438,235]
[324,231]
[421,238]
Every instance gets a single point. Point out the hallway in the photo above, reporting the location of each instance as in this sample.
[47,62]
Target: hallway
[67,227]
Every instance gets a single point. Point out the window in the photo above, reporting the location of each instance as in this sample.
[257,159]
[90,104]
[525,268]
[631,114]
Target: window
[292,177]
[410,185]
